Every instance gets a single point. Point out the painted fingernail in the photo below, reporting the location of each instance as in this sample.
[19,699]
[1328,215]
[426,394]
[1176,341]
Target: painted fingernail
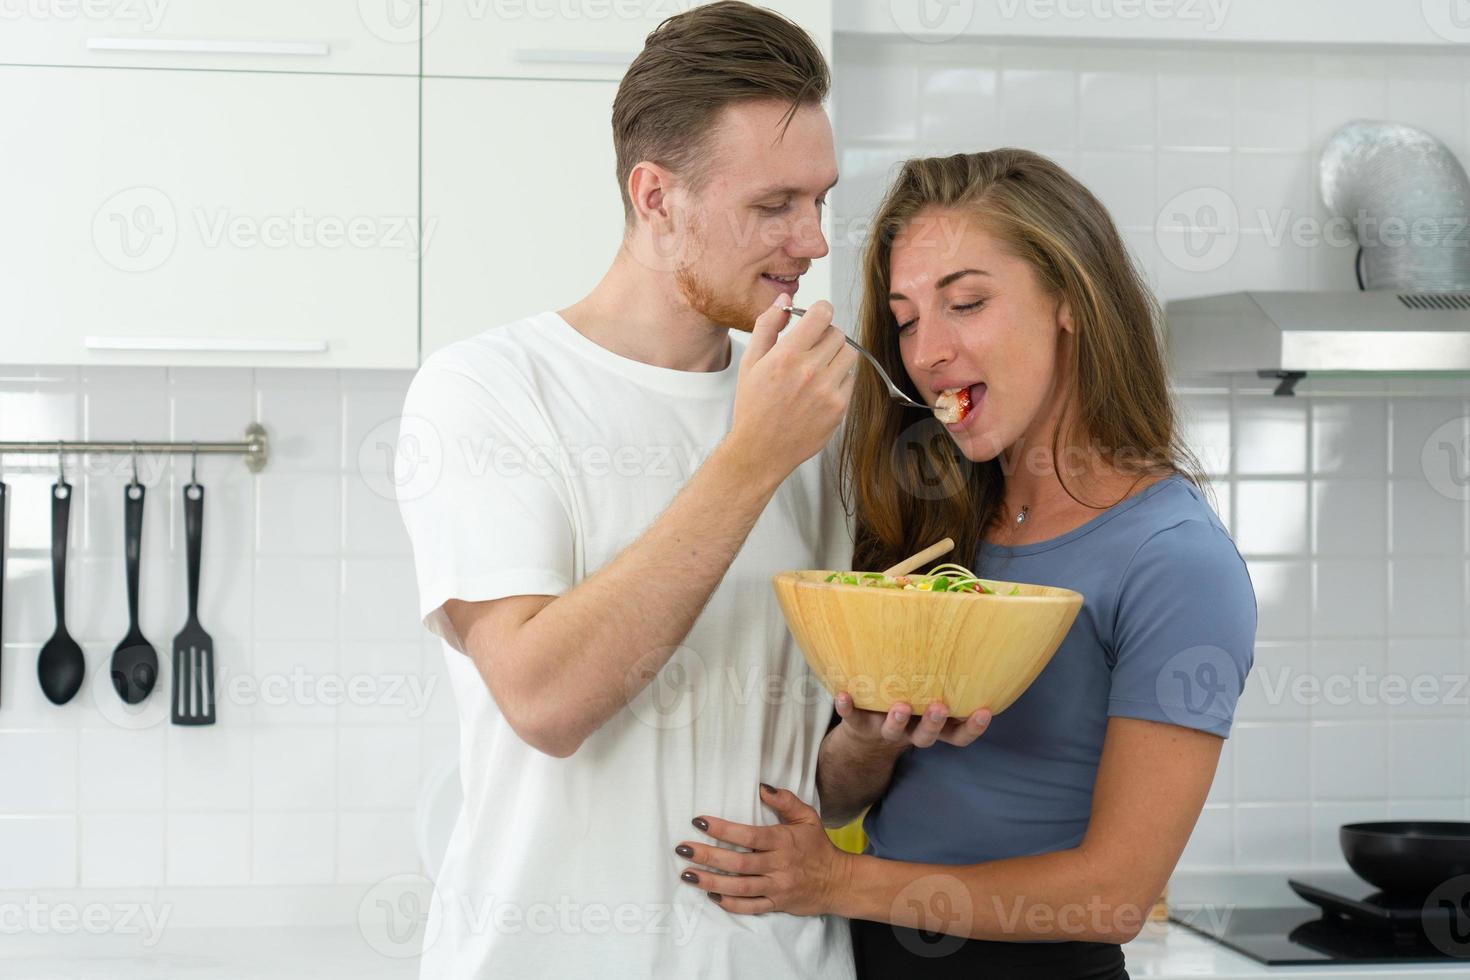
[690,877]
[768,788]
[684,851]
[713,897]
[700,823]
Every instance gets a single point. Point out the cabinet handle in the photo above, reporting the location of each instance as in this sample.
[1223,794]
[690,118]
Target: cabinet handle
[205,46]
[218,344]
[574,56]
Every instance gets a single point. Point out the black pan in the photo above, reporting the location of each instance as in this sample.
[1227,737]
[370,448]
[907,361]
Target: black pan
[1407,858]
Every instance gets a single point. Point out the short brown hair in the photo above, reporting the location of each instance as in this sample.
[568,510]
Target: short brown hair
[695,64]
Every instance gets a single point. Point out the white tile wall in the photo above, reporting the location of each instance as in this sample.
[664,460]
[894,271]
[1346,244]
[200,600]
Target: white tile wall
[1361,567]
[330,709]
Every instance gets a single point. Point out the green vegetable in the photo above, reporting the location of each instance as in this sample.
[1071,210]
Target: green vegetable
[948,577]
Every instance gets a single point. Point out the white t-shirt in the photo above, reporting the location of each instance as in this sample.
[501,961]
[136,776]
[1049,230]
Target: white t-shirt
[532,457]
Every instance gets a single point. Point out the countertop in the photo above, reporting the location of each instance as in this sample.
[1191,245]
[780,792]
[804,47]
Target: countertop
[1172,952]
[1163,952]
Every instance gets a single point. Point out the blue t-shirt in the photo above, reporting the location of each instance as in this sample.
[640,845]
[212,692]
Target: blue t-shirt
[1166,633]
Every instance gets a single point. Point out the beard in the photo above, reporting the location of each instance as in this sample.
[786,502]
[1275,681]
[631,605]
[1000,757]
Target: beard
[726,308]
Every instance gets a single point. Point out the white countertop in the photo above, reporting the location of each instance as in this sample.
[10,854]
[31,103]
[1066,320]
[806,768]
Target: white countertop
[244,953]
[1163,952]
[1172,952]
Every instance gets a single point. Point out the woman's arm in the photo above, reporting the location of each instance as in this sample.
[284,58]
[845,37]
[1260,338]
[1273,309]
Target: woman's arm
[1151,785]
[851,776]
[857,757]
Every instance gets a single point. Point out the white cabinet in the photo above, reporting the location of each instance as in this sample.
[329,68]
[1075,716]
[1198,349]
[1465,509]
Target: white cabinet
[377,36]
[208,218]
[585,39]
[521,204]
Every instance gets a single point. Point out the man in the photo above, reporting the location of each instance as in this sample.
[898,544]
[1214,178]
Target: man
[620,480]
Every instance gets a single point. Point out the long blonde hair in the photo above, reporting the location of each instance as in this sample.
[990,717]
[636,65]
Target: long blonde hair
[906,482]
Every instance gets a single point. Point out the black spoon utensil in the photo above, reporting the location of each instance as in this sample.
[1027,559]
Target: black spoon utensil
[134,662]
[61,664]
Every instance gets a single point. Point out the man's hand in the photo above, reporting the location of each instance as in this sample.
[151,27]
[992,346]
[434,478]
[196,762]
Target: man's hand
[899,728]
[790,396]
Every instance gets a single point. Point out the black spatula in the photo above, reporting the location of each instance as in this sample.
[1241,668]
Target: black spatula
[193,694]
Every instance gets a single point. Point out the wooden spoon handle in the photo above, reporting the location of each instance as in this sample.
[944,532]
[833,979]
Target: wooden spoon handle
[936,550]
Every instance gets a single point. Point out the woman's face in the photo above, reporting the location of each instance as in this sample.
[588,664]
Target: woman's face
[970,315]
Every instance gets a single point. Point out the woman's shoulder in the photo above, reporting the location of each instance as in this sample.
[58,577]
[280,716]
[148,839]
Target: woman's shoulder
[1180,545]
[1178,518]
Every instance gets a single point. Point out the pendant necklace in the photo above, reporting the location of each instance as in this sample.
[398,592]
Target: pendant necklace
[1021,515]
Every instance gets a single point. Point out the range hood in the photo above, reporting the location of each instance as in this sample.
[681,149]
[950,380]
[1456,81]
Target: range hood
[1289,335]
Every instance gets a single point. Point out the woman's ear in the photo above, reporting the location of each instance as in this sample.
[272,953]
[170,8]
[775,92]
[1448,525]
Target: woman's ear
[1064,317]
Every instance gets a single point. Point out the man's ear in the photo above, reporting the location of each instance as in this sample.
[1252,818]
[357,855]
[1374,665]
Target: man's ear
[648,189]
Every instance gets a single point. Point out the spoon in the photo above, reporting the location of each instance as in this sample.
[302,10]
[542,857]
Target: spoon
[893,390]
[134,662]
[938,549]
[61,664]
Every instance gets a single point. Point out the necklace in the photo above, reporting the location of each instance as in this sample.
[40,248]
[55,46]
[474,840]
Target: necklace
[1021,514]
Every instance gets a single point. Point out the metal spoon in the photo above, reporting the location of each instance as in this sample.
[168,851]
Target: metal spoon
[893,389]
[134,662]
[61,665]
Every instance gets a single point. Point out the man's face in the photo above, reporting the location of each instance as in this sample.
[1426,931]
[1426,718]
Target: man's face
[754,227]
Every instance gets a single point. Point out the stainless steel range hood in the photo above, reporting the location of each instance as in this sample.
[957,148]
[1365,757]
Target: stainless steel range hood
[1291,334]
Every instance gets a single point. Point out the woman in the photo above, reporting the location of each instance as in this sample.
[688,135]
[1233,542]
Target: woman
[1036,850]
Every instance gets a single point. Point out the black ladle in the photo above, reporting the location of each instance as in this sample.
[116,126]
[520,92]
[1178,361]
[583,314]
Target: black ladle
[61,664]
[134,662]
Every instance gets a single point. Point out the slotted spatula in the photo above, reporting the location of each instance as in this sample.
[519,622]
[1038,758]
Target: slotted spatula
[193,692]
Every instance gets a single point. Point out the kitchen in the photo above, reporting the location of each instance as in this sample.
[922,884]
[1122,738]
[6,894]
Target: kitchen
[231,215]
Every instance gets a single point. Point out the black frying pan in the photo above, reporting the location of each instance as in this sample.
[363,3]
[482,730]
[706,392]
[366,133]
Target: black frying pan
[1407,858]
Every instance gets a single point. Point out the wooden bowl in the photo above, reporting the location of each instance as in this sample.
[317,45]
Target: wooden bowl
[967,650]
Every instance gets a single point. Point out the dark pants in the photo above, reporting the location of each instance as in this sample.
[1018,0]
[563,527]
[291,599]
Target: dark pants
[885,952]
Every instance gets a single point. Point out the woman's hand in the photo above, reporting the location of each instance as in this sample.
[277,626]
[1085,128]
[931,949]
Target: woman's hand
[791,867]
[899,729]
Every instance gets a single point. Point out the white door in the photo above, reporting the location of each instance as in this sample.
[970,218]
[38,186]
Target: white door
[521,204]
[208,218]
[378,36]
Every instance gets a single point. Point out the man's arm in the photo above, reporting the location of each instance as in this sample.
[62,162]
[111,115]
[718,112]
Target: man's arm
[559,667]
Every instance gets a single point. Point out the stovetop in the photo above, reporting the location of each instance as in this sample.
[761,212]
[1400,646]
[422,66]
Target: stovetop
[1355,924]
